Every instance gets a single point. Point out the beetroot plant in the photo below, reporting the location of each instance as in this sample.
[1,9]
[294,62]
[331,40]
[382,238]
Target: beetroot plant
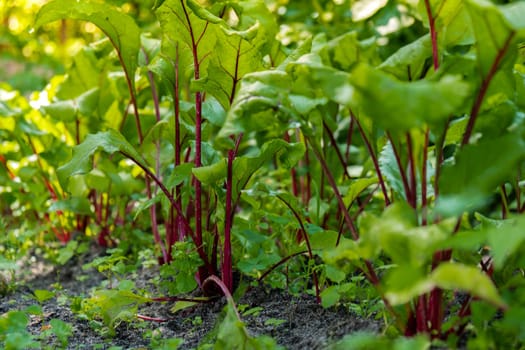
[368,152]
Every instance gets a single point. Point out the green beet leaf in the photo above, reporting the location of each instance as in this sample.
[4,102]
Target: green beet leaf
[505,240]
[61,330]
[496,27]
[366,341]
[109,141]
[232,334]
[455,276]
[451,21]
[404,283]
[262,103]
[390,169]
[184,31]
[245,166]
[409,61]
[64,111]
[113,306]
[399,106]
[478,170]
[238,51]
[120,28]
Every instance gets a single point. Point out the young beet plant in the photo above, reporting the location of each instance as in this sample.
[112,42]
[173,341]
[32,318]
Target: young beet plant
[192,190]
[398,159]
[440,121]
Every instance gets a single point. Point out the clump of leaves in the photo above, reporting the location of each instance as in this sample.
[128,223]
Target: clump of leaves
[111,307]
[60,330]
[401,162]
[13,329]
[178,277]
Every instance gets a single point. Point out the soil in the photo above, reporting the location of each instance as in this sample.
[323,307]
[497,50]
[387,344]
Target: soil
[294,321]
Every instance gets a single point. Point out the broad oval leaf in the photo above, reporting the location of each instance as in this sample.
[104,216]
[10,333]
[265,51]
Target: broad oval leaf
[404,283]
[398,106]
[65,111]
[505,240]
[478,170]
[110,141]
[470,279]
[120,28]
[262,103]
[245,166]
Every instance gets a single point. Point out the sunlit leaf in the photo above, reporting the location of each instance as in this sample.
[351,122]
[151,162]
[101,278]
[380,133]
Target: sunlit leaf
[330,296]
[451,21]
[365,341]
[64,111]
[181,305]
[470,279]
[404,283]
[364,9]
[232,334]
[119,27]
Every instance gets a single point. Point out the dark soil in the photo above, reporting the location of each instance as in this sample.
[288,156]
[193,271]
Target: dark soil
[295,322]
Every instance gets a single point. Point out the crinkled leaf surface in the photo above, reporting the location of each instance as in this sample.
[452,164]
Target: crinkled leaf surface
[451,21]
[245,166]
[262,103]
[234,57]
[110,141]
[495,27]
[113,305]
[408,62]
[183,31]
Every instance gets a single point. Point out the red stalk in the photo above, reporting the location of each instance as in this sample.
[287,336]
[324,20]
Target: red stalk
[184,221]
[349,138]
[412,167]
[433,35]
[483,89]
[203,274]
[308,246]
[307,192]
[226,268]
[336,148]
[333,184]
[374,160]
[424,200]
[402,170]
[293,172]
